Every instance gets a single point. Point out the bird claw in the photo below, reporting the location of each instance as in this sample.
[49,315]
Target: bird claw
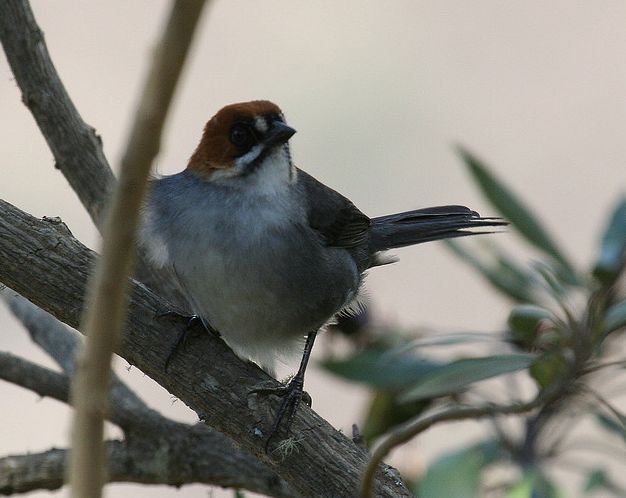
[292,395]
[171,314]
[192,320]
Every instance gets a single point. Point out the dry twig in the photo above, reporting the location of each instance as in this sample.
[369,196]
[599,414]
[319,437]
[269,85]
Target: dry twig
[107,293]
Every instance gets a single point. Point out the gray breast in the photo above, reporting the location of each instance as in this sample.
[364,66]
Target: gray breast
[251,266]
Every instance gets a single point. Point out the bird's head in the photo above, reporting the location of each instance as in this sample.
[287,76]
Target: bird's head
[243,140]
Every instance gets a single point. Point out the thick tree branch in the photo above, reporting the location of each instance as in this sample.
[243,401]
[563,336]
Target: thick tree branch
[44,263]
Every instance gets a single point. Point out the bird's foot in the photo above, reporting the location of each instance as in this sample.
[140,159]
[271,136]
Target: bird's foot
[292,395]
[192,321]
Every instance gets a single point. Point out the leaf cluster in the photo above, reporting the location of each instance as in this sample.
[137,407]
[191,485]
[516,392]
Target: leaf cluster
[561,336]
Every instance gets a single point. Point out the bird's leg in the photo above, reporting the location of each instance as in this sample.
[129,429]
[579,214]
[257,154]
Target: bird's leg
[292,394]
[192,320]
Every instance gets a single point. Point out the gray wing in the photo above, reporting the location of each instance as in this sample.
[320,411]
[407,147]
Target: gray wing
[339,222]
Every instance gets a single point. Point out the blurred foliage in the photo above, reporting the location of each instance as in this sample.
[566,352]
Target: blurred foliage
[457,475]
[562,334]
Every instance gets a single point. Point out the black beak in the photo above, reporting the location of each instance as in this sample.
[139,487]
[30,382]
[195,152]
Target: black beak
[278,134]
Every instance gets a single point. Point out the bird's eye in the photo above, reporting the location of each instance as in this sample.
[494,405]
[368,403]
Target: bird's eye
[241,136]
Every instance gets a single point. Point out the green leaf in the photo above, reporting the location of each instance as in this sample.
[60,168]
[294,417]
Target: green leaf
[456,376]
[534,485]
[550,275]
[525,322]
[514,210]
[613,246]
[596,479]
[505,276]
[600,480]
[385,412]
[615,317]
[616,425]
[457,475]
[548,368]
[522,488]
[449,339]
[381,368]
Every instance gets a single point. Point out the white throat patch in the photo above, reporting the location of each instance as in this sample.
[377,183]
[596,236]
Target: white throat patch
[274,174]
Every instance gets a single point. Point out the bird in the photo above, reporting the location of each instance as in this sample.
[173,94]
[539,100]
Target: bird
[265,254]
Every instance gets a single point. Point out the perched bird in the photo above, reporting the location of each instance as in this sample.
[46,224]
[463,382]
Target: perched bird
[264,253]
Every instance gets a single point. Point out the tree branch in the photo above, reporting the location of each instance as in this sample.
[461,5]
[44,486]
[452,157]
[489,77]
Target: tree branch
[55,338]
[127,410]
[185,462]
[411,429]
[194,453]
[76,148]
[24,473]
[107,293]
[44,263]
[31,376]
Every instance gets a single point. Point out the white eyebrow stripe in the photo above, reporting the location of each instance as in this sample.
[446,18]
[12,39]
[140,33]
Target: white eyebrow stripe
[260,124]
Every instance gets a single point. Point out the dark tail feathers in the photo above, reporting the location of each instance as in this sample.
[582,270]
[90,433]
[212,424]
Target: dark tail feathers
[424,225]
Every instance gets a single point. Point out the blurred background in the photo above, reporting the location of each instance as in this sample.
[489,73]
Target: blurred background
[379,92]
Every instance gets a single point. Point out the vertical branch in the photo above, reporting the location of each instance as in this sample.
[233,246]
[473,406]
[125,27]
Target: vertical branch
[167,64]
[107,294]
